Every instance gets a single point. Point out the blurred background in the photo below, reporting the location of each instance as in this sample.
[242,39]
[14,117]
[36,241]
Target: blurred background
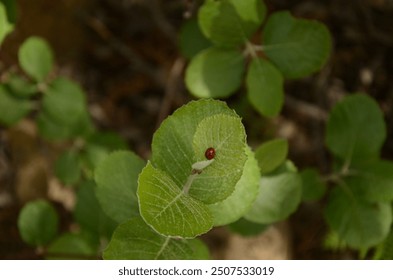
[126,56]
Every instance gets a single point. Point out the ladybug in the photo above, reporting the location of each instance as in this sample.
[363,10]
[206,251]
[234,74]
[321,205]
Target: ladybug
[210,153]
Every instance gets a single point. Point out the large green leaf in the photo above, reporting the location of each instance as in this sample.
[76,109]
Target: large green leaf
[298,47]
[240,201]
[64,101]
[271,155]
[38,223]
[373,181]
[168,209]
[265,87]
[279,196]
[215,73]
[230,22]
[5,26]
[135,240]
[360,224]
[12,109]
[116,177]
[20,87]
[356,129]
[172,147]
[36,58]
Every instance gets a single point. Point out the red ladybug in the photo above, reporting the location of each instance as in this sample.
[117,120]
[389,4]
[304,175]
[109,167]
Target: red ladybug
[210,153]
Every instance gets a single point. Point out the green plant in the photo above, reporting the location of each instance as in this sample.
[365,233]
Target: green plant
[202,173]
[290,48]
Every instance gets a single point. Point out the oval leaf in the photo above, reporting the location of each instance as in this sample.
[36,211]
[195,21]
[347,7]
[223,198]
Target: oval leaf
[71,246]
[36,58]
[38,223]
[298,47]
[230,22]
[271,155]
[279,196]
[360,224]
[356,129]
[215,73]
[68,168]
[313,187]
[265,87]
[135,240]
[5,26]
[117,179]
[168,209]
[191,40]
[64,101]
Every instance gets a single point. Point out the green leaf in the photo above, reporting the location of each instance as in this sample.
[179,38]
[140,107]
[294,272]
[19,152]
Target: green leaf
[356,129]
[10,7]
[191,40]
[116,177]
[36,58]
[215,73]
[38,223]
[64,101]
[5,25]
[247,228]
[68,168]
[12,109]
[19,87]
[230,23]
[240,201]
[360,224]
[71,246]
[271,155]
[227,136]
[135,240]
[373,181]
[265,87]
[279,196]
[200,250]
[298,47]
[109,140]
[386,251]
[313,188]
[168,209]
[89,214]
[173,148]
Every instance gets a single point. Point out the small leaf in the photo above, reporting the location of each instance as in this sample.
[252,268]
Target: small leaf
[19,87]
[64,101]
[135,240]
[313,188]
[191,40]
[12,108]
[356,129]
[279,196]
[360,224]
[298,47]
[215,73]
[116,178]
[38,223]
[68,168]
[109,140]
[10,7]
[230,23]
[373,181]
[5,25]
[245,193]
[70,246]
[36,58]
[168,209]
[271,155]
[265,87]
